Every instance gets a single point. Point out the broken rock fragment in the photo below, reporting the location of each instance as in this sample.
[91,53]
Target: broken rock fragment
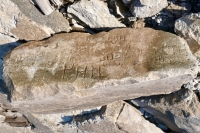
[23,20]
[147,8]
[180,107]
[188,27]
[129,119]
[78,61]
[94,14]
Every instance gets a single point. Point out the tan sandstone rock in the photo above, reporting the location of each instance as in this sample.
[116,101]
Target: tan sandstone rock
[23,20]
[76,61]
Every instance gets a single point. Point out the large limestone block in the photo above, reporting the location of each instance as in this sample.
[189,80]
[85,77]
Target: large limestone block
[21,19]
[75,61]
[94,14]
[147,8]
[189,27]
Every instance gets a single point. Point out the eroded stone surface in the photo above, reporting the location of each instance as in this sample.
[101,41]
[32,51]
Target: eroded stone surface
[9,13]
[129,119]
[100,95]
[147,8]
[181,108]
[189,27]
[106,119]
[23,20]
[21,117]
[94,14]
[78,61]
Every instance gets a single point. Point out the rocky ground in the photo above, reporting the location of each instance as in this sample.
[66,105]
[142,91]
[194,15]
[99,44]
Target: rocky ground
[99,66]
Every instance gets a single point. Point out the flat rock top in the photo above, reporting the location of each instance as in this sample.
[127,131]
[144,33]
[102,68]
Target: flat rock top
[81,59]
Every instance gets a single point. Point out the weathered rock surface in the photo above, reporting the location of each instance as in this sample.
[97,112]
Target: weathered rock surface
[103,95]
[189,27]
[106,119]
[10,116]
[6,128]
[77,61]
[94,14]
[23,20]
[181,108]
[147,8]
[157,114]
[129,119]
[14,118]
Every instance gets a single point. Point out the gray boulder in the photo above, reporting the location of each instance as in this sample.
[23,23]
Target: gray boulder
[94,14]
[147,8]
[189,27]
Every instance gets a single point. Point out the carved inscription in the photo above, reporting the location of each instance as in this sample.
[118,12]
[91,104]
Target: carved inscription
[103,56]
[170,54]
[116,38]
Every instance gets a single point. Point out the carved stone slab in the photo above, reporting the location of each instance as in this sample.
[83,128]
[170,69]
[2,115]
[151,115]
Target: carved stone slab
[77,60]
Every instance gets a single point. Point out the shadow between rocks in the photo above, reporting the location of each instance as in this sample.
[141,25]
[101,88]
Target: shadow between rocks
[4,50]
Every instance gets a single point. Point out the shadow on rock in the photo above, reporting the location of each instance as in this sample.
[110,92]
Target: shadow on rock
[4,50]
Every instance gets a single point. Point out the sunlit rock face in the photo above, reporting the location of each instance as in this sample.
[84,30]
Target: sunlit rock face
[147,8]
[75,61]
[24,21]
[188,27]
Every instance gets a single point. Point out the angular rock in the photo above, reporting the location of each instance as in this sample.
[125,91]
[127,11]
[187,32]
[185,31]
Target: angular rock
[23,20]
[129,119]
[162,117]
[94,14]
[181,108]
[45,6]
[147,8]
[9,13]
[179,9]
[27,119]
[63,61]
[108,120]
[188,27]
